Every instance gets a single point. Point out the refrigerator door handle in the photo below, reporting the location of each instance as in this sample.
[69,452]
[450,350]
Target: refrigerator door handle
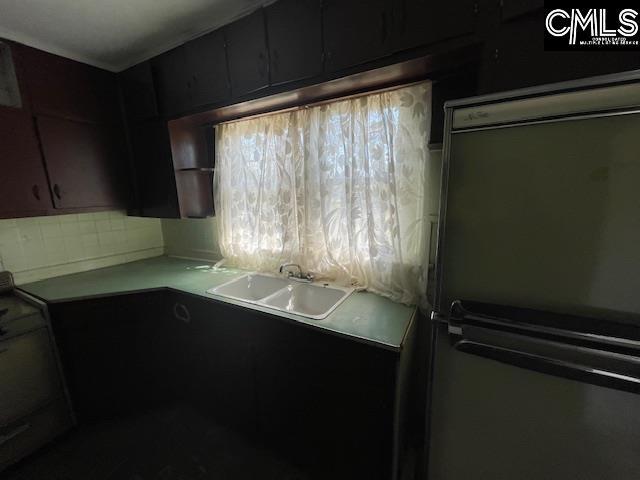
[590,365]
[461,315]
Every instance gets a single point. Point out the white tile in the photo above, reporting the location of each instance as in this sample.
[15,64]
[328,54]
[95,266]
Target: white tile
[53,220]
[8,223]
[73,218]
[53,245]
[103,225]
[117,223]
[74,248]
[87,227]
[27,221]
[85,217]
[51,230]
[30,233]
[100,216]
[89,239]
[9,236]
[70,229]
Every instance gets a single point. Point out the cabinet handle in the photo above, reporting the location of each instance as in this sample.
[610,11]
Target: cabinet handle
[56,191]
[181,313]
[36,192]
[14,433]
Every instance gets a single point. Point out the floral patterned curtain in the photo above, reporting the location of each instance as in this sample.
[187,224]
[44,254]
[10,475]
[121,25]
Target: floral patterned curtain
[337,188]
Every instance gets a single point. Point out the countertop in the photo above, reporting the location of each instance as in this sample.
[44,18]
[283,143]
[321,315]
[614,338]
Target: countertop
[363,316]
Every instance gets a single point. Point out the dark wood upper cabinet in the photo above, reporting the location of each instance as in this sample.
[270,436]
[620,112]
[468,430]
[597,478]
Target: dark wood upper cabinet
[514,57]
[423,22]
[206,60]
[172,80]
[153,170]
[85,163]
[355,32]
[247,54]
[512,9]
[23,184]
[67,89]
[138,92]
[294,30]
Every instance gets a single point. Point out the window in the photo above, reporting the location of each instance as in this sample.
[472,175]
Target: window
[338,188]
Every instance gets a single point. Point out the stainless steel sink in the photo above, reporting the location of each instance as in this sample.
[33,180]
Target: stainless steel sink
[311,300]
[250,288]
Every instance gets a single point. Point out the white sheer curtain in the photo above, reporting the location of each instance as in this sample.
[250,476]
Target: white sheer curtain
[337,188]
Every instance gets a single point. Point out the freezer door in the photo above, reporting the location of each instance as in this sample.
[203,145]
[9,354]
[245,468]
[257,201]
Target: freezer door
[493,420]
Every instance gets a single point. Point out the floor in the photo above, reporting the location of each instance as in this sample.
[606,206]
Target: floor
[171,443]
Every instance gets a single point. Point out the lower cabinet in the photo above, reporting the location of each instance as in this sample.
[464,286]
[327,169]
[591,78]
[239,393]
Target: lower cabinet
[117,353]
[322,402]
[325,402]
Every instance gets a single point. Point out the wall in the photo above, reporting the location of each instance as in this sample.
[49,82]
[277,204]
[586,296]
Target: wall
[42,247]
[191,238]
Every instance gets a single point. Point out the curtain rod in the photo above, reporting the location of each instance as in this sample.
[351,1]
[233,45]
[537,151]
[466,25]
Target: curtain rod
[323,102]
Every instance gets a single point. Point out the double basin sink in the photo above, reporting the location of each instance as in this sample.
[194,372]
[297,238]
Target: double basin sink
[311,300]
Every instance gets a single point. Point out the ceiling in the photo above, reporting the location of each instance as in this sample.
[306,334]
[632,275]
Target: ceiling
[114,34]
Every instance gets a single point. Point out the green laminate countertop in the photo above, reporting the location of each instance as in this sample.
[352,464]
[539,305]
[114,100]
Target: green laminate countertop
[363,316]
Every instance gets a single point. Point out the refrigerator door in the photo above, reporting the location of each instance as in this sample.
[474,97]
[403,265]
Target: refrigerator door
[493,420]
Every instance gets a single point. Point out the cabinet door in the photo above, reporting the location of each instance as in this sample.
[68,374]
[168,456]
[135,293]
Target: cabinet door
[514,57]
[23,183]
[247,53]
[423,22]
[294,30]
[110,349]
[355,32]
[84,162]
[172,81]
[138,92]
[153,170]
[207,66]
[515,8]
[219,349]
[68,89]
[325,402]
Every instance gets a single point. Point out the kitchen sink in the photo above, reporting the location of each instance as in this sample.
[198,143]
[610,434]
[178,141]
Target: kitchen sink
[251,287]
[312,300]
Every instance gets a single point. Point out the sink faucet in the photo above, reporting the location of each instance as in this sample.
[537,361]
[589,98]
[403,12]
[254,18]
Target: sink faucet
[299,276]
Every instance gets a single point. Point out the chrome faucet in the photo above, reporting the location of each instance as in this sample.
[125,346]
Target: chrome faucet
[298,277]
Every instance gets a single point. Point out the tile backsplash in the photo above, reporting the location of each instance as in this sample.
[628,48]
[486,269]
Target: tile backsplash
[42,247]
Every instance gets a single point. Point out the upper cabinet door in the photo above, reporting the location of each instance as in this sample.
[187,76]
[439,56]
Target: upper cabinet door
[23,183]
[424,22]
[515,8]
[138,92]
[84,162]
[294,29]
[355,32]
[172,80]
[247,53]
[207,66]
[154,174]
[68,89]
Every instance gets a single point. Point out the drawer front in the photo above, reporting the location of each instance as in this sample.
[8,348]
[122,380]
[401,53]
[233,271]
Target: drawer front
[12,327]
[26,435]
[29,374]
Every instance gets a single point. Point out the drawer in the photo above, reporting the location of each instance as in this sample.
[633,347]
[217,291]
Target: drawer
[11,327]
[26,435]
[29,374]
